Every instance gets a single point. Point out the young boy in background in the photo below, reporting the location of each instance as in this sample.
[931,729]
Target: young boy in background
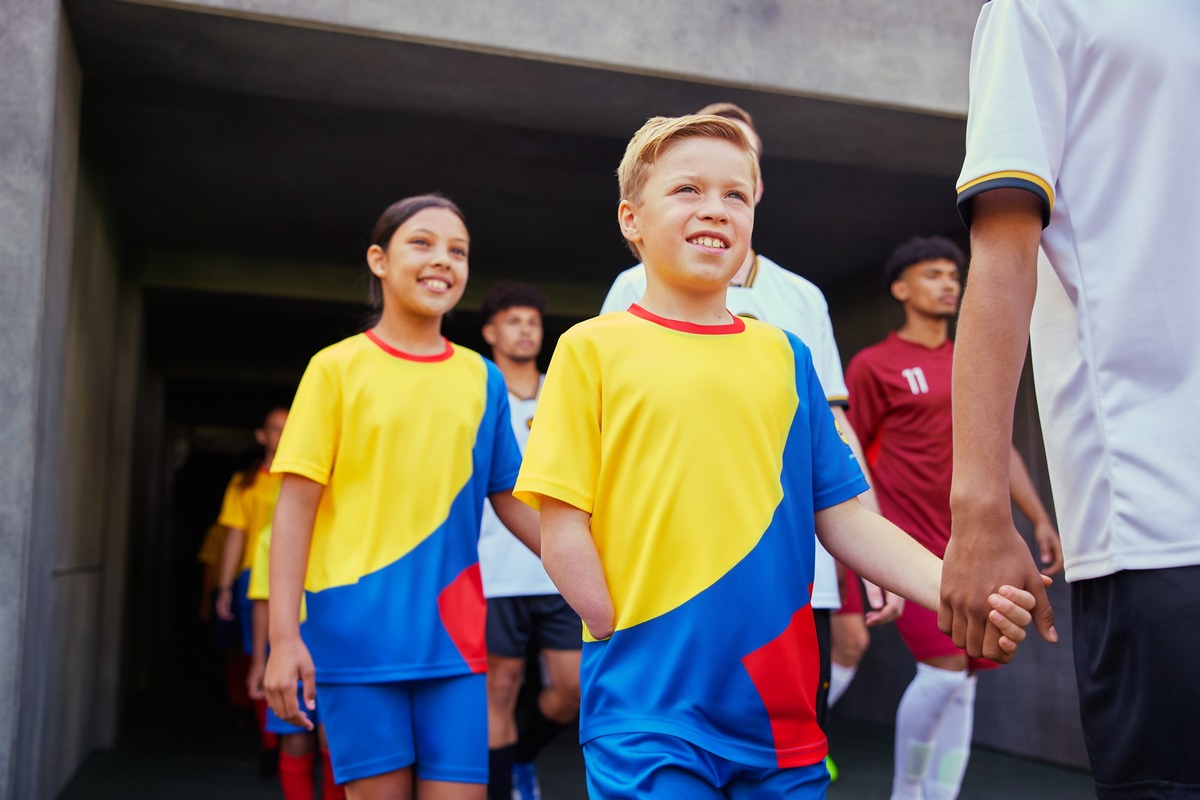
[691,563]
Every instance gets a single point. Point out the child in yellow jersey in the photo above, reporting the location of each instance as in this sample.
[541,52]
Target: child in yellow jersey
[296,744]
[690,562]
[246,510]
[395,439]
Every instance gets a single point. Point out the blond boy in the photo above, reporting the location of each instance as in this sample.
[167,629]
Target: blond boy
[691,563]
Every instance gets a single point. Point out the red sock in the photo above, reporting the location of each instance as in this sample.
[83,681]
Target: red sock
[329,789]
[296,776]
[269,740]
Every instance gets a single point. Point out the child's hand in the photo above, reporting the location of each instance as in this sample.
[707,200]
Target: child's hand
[1010,615]
[254,679]
[289,664]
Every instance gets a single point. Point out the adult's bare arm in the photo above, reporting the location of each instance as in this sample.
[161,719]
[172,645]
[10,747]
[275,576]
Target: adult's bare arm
[985,549]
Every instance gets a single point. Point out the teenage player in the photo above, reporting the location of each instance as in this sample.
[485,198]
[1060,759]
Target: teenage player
[247,509]
[901,390]
[764,290]
[523,604]
[395,439]
[690,561]
[1081,137]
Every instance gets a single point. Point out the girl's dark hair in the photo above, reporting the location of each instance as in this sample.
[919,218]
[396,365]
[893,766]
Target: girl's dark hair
[392,218]
[247,476]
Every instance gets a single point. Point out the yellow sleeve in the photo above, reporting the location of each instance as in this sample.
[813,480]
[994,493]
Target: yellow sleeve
[260,576]
[308,445]
[562,458]
[213,546]
[233,509]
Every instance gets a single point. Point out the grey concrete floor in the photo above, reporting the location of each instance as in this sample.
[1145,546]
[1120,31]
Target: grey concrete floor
[180,764]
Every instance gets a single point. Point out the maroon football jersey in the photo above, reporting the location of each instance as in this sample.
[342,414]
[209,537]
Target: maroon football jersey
[900,409]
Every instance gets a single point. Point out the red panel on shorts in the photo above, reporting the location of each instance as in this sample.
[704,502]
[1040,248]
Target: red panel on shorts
[464,615]
[785,672]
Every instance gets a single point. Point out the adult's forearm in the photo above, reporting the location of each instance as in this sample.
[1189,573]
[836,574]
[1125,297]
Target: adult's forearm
[989,352]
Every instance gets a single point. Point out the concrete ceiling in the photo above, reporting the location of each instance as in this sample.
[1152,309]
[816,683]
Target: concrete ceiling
[224,137]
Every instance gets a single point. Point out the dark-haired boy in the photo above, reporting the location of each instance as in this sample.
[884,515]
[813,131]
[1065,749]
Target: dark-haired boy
[901,390]
[691,561]
[523,604]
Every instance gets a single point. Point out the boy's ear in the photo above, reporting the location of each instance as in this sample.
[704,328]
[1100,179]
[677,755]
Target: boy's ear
[375,256]
[489,334]
[900,289]
[260,436]
[627,219]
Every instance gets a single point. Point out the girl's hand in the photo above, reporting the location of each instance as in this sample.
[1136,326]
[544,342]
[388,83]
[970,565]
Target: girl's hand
[254,679]
[289,664]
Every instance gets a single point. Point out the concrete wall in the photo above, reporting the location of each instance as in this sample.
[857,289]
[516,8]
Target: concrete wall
[65,344]
[864,51]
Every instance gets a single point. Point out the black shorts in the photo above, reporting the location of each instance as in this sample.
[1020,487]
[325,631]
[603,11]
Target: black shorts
[1136,648]
[546,620]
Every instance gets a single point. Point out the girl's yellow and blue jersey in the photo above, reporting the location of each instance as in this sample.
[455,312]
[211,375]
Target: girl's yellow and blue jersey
[250,509]
[260,575]
[407,448]
[701,453]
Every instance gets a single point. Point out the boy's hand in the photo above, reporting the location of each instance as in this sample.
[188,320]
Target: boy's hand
[885,606]
[254,679]
[1011,614]
[289,664]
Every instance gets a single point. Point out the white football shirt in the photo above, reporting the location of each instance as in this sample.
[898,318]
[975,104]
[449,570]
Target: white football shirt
[1094,107]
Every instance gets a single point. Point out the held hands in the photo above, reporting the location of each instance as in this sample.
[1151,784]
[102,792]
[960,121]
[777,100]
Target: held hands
[975,566]
[289,664]
[1010,615]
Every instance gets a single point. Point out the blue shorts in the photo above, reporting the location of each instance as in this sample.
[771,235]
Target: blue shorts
[244,609]
[628,766]
[277,726]
[439,724]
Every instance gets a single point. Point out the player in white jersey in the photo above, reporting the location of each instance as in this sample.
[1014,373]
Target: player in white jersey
[764,290]
[523,604]
[1081,138]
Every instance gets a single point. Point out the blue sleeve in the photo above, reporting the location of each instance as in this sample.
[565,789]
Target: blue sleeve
[836,476]
[497,426]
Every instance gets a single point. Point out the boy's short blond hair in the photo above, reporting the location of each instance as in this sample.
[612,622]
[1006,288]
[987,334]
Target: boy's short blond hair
[659,133]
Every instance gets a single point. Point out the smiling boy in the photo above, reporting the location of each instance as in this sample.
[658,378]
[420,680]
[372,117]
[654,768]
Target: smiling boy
[691,564]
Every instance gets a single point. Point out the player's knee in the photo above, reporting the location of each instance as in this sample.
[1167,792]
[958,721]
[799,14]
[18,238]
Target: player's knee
[503,686]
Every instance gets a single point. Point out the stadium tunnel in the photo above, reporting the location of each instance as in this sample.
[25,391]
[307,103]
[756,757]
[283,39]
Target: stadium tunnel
[209,173]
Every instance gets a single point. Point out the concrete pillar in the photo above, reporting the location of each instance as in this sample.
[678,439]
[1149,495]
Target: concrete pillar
[38,163]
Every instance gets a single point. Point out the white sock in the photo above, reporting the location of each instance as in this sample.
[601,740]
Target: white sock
[839,681]
[952,744]
[917,721]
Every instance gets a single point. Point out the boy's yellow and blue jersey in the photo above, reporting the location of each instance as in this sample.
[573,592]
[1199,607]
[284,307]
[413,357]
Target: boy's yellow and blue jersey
[407,448]
[701,453]
[250,509]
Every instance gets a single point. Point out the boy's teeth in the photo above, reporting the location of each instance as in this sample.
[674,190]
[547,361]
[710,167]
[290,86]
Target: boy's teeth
[434,283]
[708,241]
